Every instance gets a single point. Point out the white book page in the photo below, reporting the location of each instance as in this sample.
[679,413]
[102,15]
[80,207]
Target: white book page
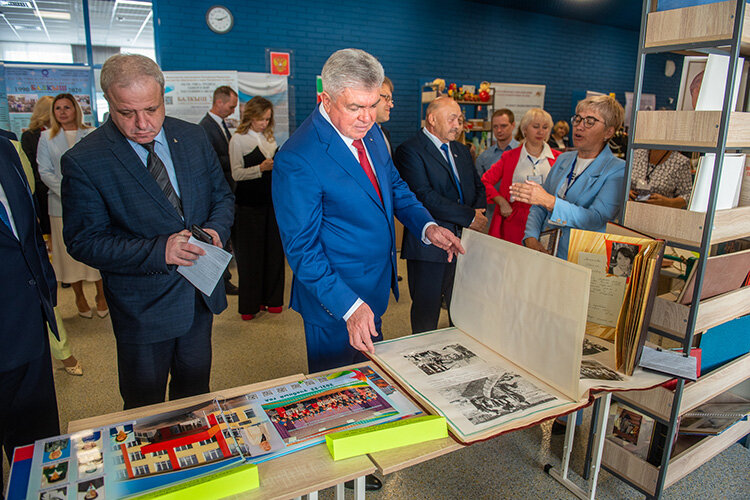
[527,306]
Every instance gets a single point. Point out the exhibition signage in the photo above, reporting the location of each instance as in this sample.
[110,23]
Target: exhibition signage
[4,117]
[25,84]
[274,88]
[188,95]
[518,98]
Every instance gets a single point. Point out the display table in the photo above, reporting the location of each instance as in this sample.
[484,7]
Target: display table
[304,472]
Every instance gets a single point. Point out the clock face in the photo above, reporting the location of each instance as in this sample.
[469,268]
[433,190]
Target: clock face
[219,19]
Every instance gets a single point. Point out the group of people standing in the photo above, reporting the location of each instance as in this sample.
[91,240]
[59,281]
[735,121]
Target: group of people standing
[129,191]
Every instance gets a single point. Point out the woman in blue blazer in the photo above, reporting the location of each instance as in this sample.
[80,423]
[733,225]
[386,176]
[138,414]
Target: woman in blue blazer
[585,188]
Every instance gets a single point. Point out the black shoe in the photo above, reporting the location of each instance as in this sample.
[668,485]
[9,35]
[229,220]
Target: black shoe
[231,289]
[372,483]
[65,285]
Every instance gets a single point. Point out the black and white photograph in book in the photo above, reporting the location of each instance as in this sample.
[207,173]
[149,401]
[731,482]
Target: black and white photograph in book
[434,361]
[590,348]
[489,398]
[597,371]
[621,260]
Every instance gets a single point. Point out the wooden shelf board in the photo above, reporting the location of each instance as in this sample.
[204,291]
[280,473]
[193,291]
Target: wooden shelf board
[699,24]
[691,128]
[673,317]
[718,381]
[630,466]
[658,401]
[695,456]
[686,227]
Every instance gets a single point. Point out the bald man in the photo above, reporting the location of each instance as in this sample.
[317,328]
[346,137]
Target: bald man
[440,171]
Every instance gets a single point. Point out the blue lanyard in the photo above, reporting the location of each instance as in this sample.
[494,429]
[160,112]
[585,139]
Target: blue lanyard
[534,163]
[571,176]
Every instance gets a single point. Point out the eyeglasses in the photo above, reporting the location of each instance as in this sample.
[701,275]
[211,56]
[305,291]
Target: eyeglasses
[588,121]
[387,98]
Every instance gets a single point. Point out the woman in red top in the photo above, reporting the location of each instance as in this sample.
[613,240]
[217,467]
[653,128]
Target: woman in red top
[531,161]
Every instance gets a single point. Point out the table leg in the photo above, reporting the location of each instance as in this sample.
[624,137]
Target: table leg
[598,448]
[359,488]
[340,491]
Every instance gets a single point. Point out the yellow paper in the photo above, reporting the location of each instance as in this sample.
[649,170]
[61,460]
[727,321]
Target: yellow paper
[356,442]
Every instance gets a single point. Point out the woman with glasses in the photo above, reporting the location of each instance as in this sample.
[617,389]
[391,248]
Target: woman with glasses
[585,189]
[531,161]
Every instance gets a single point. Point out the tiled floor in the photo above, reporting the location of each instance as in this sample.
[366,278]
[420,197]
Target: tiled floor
[271,346]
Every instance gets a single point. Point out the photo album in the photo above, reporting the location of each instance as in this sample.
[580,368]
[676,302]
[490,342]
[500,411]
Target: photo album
[519,352]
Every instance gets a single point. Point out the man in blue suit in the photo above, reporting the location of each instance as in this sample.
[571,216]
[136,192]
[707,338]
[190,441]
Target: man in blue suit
[129,193]
[335,192]
[28,407]
[441,173]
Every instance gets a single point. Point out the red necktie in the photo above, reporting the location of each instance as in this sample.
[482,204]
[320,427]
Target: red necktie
[367,167]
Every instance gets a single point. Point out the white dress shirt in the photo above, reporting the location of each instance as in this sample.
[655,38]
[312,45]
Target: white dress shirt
[531,166]
[6,204]
[220,121]
[242,144]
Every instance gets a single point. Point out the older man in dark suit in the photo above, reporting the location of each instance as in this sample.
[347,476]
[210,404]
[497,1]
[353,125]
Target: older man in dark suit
[130,191]
[441,173]
[28,407]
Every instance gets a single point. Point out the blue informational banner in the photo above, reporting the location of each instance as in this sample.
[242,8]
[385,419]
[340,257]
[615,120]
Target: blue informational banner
[4,118]
[25,84]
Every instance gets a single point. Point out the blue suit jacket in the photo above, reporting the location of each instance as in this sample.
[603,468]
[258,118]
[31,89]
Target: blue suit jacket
[593,200]
[29,290]
[117,219]
[338,236]
[428,174]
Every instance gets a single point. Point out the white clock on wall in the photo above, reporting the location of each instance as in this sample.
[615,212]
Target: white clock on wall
[219,19]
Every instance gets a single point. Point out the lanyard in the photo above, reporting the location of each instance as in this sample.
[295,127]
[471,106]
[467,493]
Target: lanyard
[571,176]
[534,163]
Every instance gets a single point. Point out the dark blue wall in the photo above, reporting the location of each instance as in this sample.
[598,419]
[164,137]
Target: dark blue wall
[415,41]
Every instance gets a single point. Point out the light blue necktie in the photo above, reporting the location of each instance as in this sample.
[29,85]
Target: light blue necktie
[444,148]
[4,216]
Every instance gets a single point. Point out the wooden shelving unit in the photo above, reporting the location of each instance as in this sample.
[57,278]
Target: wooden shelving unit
[686,227]
[718,26]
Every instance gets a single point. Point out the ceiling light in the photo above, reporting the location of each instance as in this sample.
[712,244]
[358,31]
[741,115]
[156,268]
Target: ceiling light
[9,3]
[48,14]
[133,2]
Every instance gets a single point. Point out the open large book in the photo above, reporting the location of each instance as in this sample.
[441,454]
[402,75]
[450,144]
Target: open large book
[519,353]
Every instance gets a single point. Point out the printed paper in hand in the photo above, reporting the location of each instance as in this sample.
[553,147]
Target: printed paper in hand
[208,269]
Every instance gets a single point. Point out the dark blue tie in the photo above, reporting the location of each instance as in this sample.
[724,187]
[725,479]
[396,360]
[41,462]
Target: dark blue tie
[447,152]
[4,216]
[226,130]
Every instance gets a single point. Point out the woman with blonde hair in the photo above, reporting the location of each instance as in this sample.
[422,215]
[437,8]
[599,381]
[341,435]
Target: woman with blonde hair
[559,137]
[586,188]
[66,129]
[40,120]
[532,160]
[260,256]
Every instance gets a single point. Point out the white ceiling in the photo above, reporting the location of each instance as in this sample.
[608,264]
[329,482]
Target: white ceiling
[117,23]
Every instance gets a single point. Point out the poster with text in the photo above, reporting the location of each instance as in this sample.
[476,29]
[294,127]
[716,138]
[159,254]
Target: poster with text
[25,84]
[188,95]
[4,117]
[274,88]
[518,97]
